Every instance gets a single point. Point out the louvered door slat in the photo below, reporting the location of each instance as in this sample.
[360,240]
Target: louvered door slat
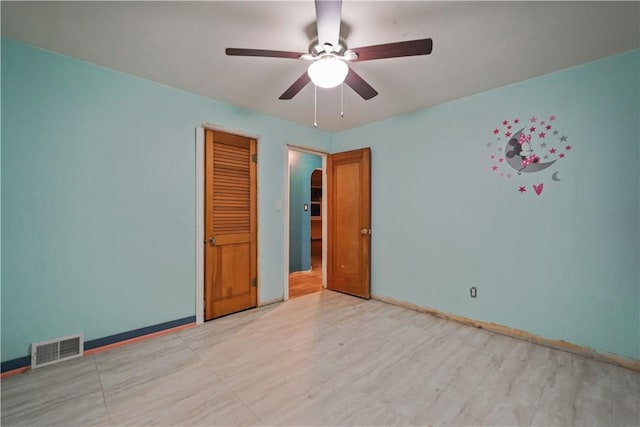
[231,183]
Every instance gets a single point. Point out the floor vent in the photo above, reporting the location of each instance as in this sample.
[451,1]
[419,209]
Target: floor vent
[56,350]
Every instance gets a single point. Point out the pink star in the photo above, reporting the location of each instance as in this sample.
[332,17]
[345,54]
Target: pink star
[548,127]
[532,129]
[509,127]
[552,151]
[522,189]
[492,157]
[494,168]
[508,175]
[508,134]
[501,160]
[568,148]
[541,135]
[516,121]
[496,131]
[561,155]
[506,122]
[542,122]
[533,119]
[501,173]
[552,118]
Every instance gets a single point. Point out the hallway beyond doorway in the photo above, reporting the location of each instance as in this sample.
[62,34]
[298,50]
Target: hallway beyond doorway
[308,282]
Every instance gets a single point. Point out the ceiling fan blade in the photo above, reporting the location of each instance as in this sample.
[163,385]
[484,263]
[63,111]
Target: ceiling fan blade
[394,50]
[358,84]
[296,87]
[261,52]
[328,15]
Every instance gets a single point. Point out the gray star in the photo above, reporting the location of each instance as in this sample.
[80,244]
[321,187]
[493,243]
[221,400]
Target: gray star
[544,144]
[563,138]
[545,157]
[488,144]
[500,149]
[555,132]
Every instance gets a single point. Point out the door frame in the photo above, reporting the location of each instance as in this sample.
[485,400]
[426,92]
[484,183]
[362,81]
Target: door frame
[287,181]
[199,217]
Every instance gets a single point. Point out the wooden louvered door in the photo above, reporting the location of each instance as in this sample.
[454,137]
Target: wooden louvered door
[230,271]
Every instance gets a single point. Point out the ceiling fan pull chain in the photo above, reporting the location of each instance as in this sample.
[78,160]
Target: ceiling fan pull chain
[315,106]
[342,100]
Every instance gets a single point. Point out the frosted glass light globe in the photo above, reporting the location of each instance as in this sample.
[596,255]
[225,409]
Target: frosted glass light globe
[328,72]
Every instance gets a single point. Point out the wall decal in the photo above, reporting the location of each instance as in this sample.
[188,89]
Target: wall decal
[519,150]
[538,188]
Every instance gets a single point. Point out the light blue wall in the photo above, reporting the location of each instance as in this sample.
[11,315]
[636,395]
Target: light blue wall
[563,265]
[98,203]
[301,165]
[98,197]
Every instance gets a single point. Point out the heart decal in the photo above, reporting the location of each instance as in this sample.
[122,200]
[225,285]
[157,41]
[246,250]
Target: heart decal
[538,188]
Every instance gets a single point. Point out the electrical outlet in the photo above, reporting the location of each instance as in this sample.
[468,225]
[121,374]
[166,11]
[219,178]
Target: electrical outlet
[474,292]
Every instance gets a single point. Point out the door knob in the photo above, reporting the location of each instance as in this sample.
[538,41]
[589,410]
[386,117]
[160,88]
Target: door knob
[365,231]
[212,241]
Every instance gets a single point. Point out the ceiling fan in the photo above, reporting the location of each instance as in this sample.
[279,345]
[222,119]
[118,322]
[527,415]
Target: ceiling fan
[330,55]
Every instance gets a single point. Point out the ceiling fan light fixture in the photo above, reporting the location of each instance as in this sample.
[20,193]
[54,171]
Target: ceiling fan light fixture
[328,72]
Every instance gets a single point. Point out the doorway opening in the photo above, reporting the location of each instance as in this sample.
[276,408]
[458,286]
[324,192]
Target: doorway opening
[306,231]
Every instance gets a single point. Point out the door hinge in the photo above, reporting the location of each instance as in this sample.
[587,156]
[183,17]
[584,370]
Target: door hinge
[254,283]
[254,158]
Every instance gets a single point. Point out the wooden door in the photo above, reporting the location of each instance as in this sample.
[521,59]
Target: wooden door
[230,269]
[349,222]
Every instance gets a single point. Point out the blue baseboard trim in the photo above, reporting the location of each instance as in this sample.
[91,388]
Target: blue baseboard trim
[25,361]
[112,339]
[20,362]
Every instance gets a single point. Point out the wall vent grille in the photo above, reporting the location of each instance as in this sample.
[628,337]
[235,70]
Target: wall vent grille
[56,350]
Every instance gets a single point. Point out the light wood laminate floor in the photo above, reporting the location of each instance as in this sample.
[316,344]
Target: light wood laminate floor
[326,359]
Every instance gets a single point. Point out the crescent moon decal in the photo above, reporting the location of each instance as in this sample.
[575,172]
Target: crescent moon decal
[513,158]
[555,176]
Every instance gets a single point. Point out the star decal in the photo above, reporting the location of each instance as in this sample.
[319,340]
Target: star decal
[542,135]
[532,129]
[506,122]
[508,134]
[552,118]
[508,175]
[563,138]
[522,189]
[545,157]
[509,127]
[568,148]
[542,122]
[533,119]
[489,144]
[561,155]
[516,121]
[494,168]
[543,145]
[496,131]
[500,160]
[492,157]
[548,127]
[552,151]
[555,132]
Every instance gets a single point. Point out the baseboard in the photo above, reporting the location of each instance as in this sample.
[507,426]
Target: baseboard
[272,301]
[23,364]
[587,352]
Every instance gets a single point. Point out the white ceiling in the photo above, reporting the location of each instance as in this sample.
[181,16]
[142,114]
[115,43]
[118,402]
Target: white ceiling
[478,46]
